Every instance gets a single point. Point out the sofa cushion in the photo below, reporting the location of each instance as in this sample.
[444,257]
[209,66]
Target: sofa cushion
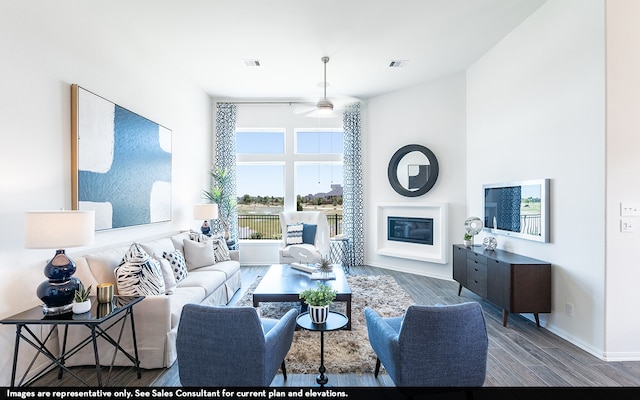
[83,272]
[139,274]
[228,267]
[155,248]
[208,280]
[182,296]
[178,264]
[103,264]
[178,241]
[198,254]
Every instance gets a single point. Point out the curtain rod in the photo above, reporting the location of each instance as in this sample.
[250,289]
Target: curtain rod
[266,102]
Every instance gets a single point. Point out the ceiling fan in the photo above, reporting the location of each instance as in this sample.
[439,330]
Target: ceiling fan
[325,107]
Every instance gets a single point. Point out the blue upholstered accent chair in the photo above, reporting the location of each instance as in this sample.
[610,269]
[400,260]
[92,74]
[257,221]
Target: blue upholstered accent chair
[431,345]
[231,346]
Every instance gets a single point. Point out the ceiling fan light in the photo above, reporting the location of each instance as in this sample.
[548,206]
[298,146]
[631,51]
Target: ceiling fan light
[325,105]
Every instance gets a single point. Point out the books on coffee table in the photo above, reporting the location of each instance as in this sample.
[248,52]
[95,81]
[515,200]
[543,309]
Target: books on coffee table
[323,276]
[304,267]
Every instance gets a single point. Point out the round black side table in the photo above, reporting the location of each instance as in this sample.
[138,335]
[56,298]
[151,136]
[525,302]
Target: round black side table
[334,322]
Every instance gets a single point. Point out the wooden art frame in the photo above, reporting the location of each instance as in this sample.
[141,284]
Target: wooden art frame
[120,163]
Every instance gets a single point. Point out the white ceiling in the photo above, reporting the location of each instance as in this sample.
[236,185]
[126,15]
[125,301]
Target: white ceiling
[208,40]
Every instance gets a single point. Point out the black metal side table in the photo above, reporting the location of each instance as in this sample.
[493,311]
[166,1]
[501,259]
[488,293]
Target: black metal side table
[109,314]
[334,322]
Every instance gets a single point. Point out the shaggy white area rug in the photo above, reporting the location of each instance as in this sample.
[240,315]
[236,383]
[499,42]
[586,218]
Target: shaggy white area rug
[344,351]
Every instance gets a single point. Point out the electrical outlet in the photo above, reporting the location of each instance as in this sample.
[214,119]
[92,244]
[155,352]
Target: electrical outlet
[569,309]
[627,225]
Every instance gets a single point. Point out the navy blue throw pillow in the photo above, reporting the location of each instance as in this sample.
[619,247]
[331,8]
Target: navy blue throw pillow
[309,233]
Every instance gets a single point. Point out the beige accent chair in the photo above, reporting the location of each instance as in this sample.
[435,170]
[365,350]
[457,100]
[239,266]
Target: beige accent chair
[320,242]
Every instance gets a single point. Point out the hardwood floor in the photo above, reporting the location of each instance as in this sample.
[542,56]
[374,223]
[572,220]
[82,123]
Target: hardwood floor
[520,354]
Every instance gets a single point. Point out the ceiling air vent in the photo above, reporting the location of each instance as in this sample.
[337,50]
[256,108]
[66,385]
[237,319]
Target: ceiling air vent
[251,63]
[398,63]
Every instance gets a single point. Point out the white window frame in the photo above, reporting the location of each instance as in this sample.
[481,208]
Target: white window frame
[290,158]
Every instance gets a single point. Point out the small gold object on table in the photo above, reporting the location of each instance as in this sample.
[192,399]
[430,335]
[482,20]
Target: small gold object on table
[105,292]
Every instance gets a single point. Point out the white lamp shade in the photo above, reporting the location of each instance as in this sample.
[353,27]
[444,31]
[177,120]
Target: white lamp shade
[205,211]
[59,229]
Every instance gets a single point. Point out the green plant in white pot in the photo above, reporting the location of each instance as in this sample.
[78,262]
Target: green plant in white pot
[468,239]
[319,300]
[81,302]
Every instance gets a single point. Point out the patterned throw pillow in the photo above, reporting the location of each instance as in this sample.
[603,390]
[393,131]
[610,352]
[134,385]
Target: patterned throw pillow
[220,249]
[139,274]
[294,234]
[178,264]
[198,236]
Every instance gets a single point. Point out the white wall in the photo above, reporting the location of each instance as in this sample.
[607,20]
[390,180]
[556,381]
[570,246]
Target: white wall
[433,115]
[623,164]
[536,109]
[44,50]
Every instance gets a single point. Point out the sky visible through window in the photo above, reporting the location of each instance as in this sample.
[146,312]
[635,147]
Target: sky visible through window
[267,178]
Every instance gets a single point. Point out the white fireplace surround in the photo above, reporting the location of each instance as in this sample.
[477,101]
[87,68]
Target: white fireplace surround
[436,253]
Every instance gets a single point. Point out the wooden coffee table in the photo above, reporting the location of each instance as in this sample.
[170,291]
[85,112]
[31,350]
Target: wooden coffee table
[282,283]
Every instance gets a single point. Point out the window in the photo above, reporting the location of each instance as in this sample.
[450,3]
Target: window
[281,170]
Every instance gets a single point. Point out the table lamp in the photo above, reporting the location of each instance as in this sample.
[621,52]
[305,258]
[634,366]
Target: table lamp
[58,230]
[205,212]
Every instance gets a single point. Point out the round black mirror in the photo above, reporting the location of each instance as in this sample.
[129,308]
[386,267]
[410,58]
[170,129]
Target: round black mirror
[413,170]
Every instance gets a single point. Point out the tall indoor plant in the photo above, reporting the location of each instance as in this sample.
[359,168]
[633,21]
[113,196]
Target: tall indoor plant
[220,194]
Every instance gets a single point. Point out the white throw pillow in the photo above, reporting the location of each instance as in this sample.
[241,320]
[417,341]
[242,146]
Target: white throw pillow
[198,254]
[167,274]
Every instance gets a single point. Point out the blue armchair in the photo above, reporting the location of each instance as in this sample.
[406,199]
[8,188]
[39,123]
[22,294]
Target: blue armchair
[231,346]
[431,345]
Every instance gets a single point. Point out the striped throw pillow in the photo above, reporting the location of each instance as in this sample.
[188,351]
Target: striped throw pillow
[139,274]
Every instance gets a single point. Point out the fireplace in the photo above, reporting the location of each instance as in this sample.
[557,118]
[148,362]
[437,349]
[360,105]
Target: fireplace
[410,230]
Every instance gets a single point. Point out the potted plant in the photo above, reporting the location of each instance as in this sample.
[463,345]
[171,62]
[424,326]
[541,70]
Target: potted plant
[81,302]
[219,194]
[468,239]
[319,300]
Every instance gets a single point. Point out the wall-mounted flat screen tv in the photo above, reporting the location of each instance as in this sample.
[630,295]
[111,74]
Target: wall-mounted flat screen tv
[518,209]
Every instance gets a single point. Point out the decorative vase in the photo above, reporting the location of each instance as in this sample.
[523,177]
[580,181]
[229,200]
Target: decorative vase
[490,243]
[319,314]
[79,308]
[468,243]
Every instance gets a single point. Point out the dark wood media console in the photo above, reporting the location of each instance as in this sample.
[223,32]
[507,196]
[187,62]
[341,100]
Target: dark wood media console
[516,283]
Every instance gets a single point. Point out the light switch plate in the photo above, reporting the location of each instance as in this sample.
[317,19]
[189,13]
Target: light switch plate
[628,209]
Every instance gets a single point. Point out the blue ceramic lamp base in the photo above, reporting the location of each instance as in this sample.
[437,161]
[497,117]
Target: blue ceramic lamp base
[58,291]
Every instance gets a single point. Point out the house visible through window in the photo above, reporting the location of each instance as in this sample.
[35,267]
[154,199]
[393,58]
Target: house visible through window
[279,170]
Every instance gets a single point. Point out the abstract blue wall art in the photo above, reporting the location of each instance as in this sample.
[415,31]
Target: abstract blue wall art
[121,163]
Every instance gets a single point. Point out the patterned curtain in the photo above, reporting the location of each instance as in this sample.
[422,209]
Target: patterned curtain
[353,194]
[226,158]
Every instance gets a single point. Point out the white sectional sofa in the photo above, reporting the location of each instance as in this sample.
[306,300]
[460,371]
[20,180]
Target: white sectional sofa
[157,316]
